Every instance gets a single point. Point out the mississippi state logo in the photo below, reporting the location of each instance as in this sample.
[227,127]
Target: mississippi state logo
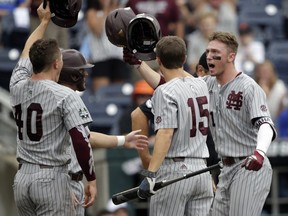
[234,100]
[263,108]
[158,119]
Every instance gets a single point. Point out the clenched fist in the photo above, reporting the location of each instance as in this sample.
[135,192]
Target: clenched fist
[253,162]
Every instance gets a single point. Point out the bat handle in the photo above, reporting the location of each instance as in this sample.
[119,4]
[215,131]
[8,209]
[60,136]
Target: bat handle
[125,196]
[130,194]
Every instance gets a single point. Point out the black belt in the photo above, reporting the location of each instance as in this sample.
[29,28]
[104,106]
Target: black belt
[229,161]
[177,159]
[76,176]
[42,166]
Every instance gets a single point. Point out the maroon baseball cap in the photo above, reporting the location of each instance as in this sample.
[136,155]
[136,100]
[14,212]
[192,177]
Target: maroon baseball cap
[64,13]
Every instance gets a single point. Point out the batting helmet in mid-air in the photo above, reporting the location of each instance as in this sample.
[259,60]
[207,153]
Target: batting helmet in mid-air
[64,13]
[116,25]
[73,62]
[143,33]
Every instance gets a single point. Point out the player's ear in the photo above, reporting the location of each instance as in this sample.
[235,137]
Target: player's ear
[231,56]
[158,61]
[57,64]
[200,71]
[185,59]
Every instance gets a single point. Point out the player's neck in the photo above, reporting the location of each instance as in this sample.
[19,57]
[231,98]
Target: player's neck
[170,74]
[227,75]
[43,76]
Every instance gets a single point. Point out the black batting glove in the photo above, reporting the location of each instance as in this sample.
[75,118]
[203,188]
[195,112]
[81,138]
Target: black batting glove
[146,188]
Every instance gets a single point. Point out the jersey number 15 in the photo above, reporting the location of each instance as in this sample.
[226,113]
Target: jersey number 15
[201,101]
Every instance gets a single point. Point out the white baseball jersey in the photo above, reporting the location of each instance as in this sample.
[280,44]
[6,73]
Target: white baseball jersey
[182,103]
[44,112]
[232,107]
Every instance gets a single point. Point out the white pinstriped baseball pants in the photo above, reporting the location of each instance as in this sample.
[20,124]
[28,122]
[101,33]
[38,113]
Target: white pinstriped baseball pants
[78,189]
[189,197]
[43,191]
[242,192]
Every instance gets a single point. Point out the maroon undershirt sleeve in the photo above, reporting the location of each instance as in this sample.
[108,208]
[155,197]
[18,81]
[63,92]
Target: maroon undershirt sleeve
[161,81]
[83,153]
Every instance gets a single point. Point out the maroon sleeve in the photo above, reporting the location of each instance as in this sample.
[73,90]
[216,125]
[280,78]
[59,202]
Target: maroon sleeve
[161,81]
[83,152]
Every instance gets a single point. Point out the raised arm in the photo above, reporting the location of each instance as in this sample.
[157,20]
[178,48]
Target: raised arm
[147,73]
[153,78]
[23,70]
[44,17]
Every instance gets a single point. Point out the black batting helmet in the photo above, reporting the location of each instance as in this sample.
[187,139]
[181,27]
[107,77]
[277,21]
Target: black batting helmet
[116,25]
[73,61]
[64,13]
[143,33]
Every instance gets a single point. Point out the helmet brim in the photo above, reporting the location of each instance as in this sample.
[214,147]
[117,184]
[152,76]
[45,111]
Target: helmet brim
[65,23]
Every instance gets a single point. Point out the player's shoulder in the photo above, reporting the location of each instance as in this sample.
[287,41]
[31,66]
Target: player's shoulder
[209,79]
[60,91]
[246,80]
[54,86]
[198,79]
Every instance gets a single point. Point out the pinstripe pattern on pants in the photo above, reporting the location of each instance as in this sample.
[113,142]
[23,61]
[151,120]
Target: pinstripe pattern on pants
[242,192]
[46,190]
[78,190]
[192,196]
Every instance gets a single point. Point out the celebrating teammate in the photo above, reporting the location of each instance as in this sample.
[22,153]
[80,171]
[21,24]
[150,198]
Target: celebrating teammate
[73,75]
[180,107]
[242,130]
[142,116]
[46,113]
[241,127]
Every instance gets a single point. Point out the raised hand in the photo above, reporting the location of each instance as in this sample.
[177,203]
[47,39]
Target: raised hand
[129,58]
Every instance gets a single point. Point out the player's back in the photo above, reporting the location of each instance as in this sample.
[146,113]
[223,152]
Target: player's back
[189,99]
[41,109]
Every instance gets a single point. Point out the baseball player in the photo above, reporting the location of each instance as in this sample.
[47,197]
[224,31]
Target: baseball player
[73,75]
[241,128]
[180,107]
[142,116]
[47,115]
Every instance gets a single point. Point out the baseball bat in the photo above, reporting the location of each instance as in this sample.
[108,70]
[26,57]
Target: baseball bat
[131,194]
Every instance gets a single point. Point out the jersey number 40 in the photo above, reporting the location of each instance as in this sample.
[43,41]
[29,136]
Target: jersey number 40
[33,119]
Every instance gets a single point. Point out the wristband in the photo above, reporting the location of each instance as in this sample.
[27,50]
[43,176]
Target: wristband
[137,66]
[120,140]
